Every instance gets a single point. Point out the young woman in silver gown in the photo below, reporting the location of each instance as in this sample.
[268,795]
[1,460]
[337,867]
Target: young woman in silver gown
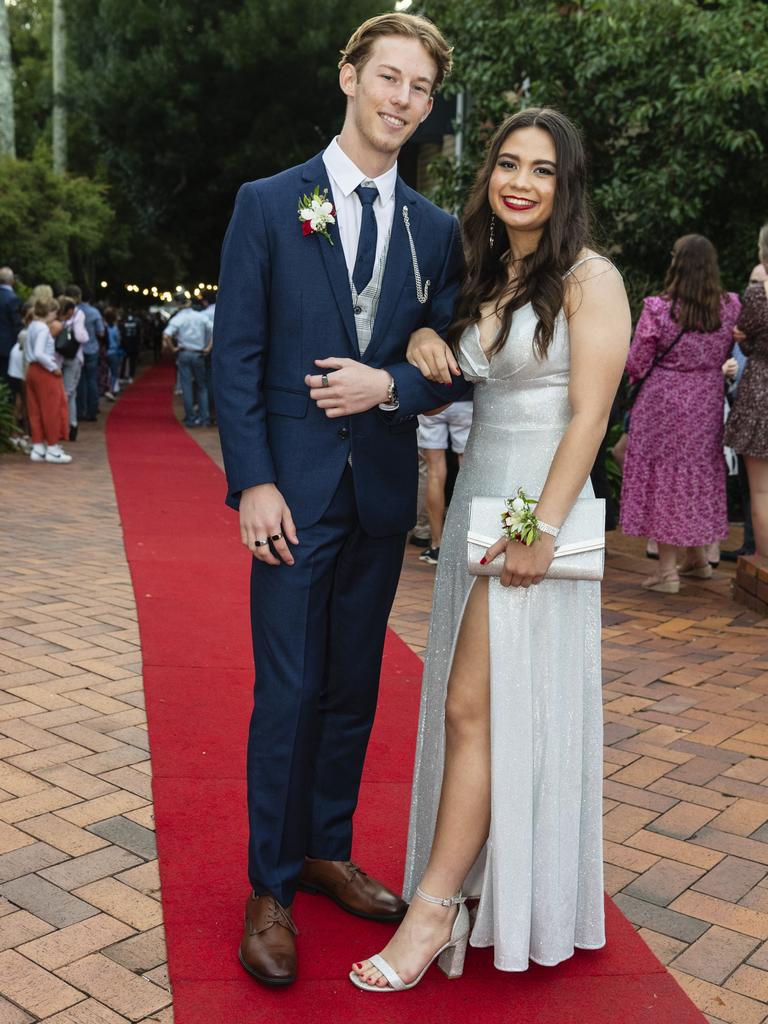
[507,789]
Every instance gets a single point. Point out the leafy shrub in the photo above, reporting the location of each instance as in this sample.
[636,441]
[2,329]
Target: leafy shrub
[49,223]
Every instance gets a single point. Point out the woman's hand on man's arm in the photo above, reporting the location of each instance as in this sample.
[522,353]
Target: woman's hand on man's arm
[431,356]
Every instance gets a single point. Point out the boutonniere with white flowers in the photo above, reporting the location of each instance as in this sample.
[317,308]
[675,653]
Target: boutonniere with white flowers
[316,212]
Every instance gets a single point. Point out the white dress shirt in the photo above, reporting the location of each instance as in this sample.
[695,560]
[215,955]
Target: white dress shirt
[345,176]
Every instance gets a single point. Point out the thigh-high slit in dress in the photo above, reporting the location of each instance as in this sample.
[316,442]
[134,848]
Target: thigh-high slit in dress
[539,878]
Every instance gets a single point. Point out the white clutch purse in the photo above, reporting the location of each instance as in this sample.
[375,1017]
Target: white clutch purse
[579,549]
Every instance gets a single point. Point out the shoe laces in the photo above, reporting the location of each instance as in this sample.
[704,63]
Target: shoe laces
[279,915]
[354,870]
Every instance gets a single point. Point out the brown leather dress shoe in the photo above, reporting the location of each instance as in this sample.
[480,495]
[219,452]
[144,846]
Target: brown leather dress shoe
[268,946]
[354,891]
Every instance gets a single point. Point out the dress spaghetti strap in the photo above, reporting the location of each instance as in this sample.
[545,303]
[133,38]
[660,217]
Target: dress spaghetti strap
[586,259]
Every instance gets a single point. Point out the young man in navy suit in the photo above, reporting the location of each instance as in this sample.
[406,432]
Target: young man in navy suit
[327,268]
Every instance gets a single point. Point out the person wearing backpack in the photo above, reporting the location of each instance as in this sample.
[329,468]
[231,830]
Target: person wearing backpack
[131,342]
[88,388]
[74,336]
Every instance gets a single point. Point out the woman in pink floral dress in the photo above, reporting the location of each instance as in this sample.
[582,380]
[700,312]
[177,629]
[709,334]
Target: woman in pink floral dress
[673,489]
[747,430]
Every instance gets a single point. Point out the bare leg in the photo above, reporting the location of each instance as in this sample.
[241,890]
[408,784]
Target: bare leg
[667,565]
[695,557]
[667,560]
[436,474]
[463,819]
[757,471]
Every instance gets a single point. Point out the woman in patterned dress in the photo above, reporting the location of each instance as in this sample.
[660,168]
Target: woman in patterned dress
[673,489]
[747,427]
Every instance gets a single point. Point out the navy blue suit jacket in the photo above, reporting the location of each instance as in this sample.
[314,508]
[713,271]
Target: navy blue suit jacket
[10,319]
[284,300]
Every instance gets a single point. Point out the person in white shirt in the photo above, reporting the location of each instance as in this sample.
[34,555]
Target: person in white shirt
[46,400]
[189,334]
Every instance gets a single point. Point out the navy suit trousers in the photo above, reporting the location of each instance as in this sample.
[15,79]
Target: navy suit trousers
[318,636]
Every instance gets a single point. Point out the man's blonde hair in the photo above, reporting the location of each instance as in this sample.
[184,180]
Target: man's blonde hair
[411,26]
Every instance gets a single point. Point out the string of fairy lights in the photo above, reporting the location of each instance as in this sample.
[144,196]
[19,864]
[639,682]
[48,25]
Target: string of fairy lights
[164,294]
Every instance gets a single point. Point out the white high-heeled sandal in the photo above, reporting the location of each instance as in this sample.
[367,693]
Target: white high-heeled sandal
[450,957]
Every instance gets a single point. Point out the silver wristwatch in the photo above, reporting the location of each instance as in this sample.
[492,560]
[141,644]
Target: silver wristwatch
[392,402]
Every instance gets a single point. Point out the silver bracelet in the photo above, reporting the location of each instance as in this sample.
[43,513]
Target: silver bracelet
[546,528]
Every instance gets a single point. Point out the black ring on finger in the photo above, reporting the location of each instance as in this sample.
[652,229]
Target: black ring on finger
[276,536]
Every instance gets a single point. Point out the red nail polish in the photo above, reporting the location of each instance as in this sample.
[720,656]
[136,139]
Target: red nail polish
[483,561]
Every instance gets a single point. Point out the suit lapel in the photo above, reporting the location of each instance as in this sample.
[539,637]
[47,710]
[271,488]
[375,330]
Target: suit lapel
[333,255]
[398,262]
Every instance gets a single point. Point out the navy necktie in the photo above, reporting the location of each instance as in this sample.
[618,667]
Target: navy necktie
[366,246]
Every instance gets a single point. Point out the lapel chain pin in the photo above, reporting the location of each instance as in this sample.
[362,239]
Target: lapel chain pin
[422,294]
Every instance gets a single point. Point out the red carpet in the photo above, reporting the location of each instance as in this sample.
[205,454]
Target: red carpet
[190,578]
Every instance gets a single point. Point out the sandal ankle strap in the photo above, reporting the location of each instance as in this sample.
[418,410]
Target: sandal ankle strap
[451,901]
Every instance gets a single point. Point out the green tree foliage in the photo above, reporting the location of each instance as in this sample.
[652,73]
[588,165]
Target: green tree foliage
[30,22]
[672,97]
[174,105]
[50,224]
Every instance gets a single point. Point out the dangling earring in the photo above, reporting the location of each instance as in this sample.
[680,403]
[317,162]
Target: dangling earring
[492,234]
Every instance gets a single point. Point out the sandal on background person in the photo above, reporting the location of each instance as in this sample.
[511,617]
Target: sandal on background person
[700,572]
[666,584]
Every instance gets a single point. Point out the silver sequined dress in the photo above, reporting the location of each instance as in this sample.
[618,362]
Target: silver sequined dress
[539,877]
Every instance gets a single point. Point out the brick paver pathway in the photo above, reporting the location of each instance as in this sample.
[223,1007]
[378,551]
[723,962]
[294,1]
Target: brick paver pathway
[81,936]
[81,940]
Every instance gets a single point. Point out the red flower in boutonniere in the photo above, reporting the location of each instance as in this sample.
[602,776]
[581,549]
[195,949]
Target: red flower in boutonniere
[316,212]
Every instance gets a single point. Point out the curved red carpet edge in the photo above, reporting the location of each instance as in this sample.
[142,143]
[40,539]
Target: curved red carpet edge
[190,578]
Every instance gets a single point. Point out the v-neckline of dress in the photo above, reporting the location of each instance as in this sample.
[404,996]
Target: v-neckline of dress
[486,356]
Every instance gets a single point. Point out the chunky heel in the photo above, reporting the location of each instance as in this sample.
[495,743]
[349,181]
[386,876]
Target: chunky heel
[451,960]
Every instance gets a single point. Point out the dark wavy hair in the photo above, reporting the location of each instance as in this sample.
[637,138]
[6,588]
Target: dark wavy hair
[540,276]
[693,284]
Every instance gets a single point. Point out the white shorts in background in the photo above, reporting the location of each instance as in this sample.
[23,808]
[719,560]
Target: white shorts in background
[454,421]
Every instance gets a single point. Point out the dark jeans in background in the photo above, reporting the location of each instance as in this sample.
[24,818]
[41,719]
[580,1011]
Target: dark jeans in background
[114,359]
[88,388]
[193,378]
[130,360]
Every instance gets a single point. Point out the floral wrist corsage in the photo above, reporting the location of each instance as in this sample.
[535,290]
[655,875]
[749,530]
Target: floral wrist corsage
[518,520]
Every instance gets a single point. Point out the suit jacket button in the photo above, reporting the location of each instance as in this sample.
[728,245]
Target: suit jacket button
[344,433]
